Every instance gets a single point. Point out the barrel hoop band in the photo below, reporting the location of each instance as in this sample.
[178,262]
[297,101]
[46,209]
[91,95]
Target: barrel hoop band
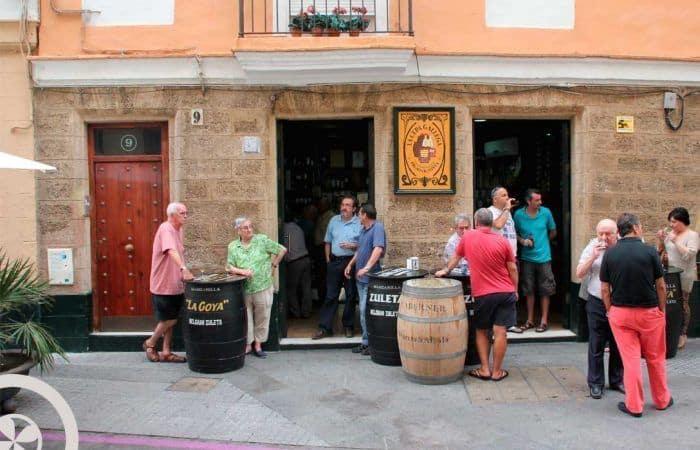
[434,380]
[434,357]
[445,293]
[432,319]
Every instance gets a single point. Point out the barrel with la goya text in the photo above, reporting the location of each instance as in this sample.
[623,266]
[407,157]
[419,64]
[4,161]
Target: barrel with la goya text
[214,326]
[383,294]
[674,310]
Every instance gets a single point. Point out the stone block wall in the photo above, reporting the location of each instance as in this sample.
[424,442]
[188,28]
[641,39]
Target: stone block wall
[647,172]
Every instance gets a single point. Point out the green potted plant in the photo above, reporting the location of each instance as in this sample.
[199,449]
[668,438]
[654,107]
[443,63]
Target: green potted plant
[336,23]
[24,342]
[317,22]
[299,24]
[357,22]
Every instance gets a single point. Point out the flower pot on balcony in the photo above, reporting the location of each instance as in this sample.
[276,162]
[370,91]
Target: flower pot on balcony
[354,33]
[334,33]
[317,31]
[295,32]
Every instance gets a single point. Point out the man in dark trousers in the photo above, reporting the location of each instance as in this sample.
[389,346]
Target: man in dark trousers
[494,278]
[634,294]
[599,332]
[342,236]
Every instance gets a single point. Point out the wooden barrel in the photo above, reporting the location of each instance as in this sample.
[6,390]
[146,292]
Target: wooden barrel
[674,310]
[215,324]
[432,330]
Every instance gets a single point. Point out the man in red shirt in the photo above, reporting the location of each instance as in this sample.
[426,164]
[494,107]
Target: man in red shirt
[494,278]
[168,269]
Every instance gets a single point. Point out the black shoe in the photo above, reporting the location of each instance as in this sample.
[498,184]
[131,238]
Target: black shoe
[596,392]
[365,351]
[618,387]
[320,333]
[360,349]
[349,332]
[260,353]
[670,403]
[622,407]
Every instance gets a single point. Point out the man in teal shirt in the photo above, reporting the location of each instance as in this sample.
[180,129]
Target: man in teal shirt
[535,227]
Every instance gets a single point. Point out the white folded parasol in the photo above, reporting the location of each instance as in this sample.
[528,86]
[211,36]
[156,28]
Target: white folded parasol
[8,161]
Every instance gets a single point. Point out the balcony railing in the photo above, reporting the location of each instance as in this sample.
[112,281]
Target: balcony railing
[274,17]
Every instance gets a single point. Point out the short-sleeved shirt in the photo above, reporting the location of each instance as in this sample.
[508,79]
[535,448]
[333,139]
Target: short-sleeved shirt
[339,231]
[686,262]
[374,236]
[632,268]
[449,252]
[594,270]
[488,255]
[508,230]
[538,228]
[166,277]
[256,257]
[294,241]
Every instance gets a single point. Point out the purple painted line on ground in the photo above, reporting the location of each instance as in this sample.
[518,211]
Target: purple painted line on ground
[151,442]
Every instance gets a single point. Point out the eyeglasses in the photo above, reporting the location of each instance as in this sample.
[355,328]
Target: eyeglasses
[462,228]
[246,227]
[183,213]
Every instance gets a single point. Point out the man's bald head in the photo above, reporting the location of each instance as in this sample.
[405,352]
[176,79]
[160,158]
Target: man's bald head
[607,225]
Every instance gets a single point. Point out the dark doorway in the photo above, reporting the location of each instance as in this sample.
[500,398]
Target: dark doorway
[523,154]
[320,161]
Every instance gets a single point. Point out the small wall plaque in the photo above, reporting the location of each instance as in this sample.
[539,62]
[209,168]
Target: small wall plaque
[624,124]
[251,144]
[197,116]
[60,266]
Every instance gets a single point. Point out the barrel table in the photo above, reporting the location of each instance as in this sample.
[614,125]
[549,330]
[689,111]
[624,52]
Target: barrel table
[432,330]
[383,294]
[674,310]
[472,354]
[214,325]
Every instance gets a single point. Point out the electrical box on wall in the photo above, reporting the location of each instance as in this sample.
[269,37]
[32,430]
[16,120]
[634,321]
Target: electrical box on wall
[60,266]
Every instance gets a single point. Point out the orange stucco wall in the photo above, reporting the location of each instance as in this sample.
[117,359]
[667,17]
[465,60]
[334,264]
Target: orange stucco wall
[647,29]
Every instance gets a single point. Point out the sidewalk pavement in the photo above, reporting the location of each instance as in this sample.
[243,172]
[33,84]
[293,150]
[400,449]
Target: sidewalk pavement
[336,399]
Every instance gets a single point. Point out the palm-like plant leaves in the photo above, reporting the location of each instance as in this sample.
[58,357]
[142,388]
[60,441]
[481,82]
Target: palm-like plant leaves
[22,293]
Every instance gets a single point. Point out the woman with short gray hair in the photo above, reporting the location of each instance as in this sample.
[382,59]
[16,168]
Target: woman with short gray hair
[255,256]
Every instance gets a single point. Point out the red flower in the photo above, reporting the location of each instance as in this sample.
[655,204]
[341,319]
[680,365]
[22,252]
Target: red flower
[339,10]
[311,9]
[359,9]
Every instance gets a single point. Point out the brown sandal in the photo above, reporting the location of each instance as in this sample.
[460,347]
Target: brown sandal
[151,353]
[172,358]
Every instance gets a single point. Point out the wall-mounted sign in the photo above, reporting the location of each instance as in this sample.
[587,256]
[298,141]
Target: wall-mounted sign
[624,124]
[60,265]
[251,144]
[197,116]
[424,148]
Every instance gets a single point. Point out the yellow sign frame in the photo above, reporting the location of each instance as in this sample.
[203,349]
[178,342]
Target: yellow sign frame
[424,149]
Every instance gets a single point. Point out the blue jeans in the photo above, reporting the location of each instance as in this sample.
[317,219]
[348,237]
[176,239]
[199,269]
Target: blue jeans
[362,293]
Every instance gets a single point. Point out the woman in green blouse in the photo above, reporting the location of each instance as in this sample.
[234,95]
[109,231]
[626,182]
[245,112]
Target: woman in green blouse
[255,256]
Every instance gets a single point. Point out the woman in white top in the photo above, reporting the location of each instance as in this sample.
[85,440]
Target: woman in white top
[678,248]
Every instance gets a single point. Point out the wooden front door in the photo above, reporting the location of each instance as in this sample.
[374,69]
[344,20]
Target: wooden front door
[129,204]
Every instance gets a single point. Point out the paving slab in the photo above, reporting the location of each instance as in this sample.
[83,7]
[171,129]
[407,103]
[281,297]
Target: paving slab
[335,399]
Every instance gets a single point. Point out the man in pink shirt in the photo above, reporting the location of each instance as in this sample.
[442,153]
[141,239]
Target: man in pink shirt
[494,278]
[168,269]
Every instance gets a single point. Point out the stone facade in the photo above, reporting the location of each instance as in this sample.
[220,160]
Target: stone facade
[647,172]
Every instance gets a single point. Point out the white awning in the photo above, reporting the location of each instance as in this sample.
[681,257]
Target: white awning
[8,161]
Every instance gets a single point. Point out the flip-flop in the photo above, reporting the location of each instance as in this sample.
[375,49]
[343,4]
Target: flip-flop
[151,353]
[476,374]
[541,328]
[505,374]
[522,328]
[172,358]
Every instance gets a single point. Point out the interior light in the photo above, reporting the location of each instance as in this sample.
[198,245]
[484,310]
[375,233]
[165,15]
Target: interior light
[479,120]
